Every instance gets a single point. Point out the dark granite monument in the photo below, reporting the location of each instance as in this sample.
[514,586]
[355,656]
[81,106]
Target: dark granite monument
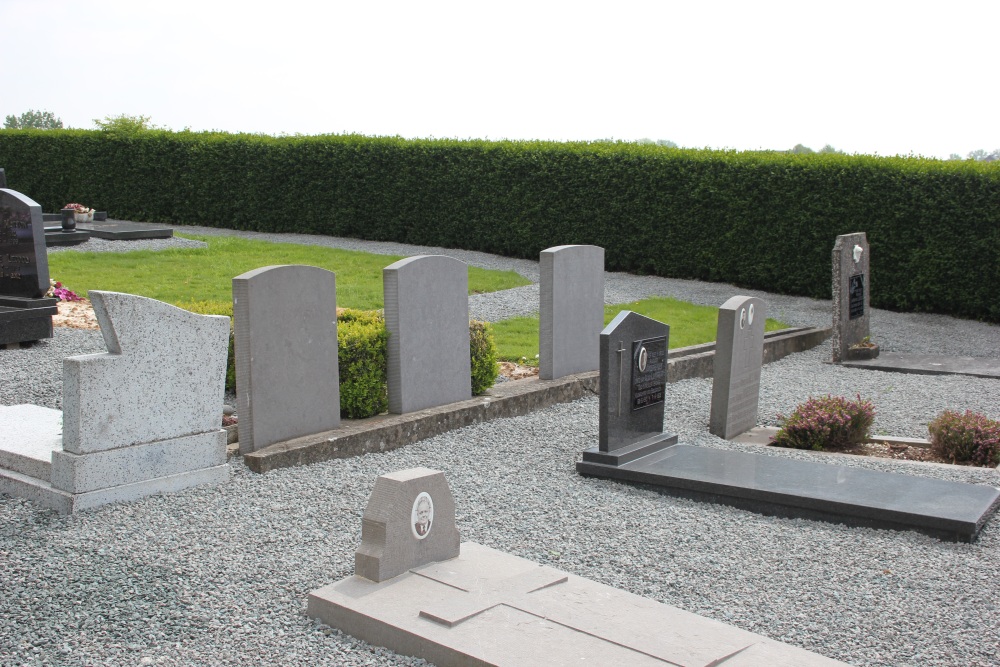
[25,313]
[633,386]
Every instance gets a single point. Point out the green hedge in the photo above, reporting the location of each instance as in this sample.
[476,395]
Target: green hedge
[755,219]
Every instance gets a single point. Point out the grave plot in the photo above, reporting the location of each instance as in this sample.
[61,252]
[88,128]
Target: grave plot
[137,420]
[632,448]
[419,592]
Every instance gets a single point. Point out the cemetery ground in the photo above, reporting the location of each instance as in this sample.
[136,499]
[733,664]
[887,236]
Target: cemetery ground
[220,575]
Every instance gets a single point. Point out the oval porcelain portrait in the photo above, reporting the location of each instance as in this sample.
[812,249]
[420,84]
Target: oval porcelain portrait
[422,516]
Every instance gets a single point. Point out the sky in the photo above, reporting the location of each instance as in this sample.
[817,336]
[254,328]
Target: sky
[876,77]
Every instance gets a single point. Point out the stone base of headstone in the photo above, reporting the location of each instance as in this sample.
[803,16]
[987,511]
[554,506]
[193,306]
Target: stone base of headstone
[121,230]
[631,452]
[788,487]
[33,464]
[23,319]
[862,352]
[57,236]
[486,607]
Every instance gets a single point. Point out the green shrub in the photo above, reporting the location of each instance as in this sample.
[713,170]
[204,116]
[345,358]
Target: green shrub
[361,354]
[969,438]
[483,351]
[762,219]
[830,422]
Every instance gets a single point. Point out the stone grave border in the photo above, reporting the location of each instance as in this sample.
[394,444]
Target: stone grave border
[507,399]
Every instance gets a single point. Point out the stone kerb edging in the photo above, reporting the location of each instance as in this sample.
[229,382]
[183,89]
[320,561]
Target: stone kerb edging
[507,399]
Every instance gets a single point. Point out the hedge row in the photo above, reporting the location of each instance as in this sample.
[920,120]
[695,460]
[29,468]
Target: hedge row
[755,219]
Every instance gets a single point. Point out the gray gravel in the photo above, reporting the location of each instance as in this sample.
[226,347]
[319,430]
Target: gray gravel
[220,575]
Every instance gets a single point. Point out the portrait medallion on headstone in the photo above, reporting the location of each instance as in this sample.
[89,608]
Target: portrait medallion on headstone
[422,515]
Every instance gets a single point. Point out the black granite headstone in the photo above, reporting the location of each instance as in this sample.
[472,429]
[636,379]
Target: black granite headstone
[24,263]
[633,387]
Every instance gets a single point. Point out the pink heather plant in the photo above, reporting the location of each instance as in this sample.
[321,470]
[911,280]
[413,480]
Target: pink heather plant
[971,438]
[831,422]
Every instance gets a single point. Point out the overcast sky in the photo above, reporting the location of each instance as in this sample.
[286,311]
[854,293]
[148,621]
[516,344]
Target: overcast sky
[874,76]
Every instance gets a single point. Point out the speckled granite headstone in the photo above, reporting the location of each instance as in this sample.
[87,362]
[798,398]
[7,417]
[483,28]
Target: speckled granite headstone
[3,178]
[571,310]
[851,291]
[409,522]
[287,374]
[427,316]
[24,262]
[739,353]
[162,377]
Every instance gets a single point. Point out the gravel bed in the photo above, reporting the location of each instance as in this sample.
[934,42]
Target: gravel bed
[220,575]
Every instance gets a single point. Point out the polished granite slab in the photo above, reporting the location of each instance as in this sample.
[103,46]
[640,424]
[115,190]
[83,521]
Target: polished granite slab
[55,236]
[780,485]
[930,364]
[123,230]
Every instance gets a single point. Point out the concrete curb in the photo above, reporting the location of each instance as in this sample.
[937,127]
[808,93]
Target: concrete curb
[507,399]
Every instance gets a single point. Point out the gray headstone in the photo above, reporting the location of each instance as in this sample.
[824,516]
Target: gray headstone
[287,374]
[633,380]
[851,287]
[3,178]
[571,313]
[409,522]
[739,352]
[427,317]
[24,262]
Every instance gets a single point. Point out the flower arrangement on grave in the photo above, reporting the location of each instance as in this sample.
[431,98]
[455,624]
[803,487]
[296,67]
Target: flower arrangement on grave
[79,208]
[830,422]
[81,213]
[56,290]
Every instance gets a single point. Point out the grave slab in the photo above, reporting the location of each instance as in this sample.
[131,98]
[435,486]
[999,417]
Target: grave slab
[486,607]
[929,364]
[31,434]
[57,236]
[420,592]
[843,494]
[123,230]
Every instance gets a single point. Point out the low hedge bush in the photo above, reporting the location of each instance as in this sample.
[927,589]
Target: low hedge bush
[829,422]
[361,354]
[966,438]
[483,352]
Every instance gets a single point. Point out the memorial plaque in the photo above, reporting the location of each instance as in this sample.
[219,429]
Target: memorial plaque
[649,372]
[856,297]
[24,265]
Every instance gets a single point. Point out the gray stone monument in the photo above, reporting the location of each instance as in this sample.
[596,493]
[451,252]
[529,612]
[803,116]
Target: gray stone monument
[287,374]
[427,317]
[468,604]
[739,353]
[851,287]
[633,390]
[3,178]
[409,522]
[143,418]
[25,313]
[571,312]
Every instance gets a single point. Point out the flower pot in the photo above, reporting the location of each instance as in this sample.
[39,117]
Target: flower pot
[83,217]
[859,352]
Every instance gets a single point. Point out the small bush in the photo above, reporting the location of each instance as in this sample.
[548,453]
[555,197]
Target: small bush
[361,354]
[969,438]
[483,351]
[831,422]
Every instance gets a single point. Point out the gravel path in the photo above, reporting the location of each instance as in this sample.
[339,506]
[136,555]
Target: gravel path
[220,575]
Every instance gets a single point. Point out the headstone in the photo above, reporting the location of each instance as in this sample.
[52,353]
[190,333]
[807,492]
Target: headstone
[3,178]
[143,418]
[287,374]
[409,522]
[427,317]
[24,262]
[571,313]
[473,605]
[739,353]
[851,291]
[25,313]
[633,390]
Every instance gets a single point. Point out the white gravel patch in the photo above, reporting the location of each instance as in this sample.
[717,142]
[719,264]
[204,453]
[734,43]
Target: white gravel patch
[220,575]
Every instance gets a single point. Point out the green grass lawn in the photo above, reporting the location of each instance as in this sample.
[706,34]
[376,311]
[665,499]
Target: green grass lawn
[517,338]
[183,276]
